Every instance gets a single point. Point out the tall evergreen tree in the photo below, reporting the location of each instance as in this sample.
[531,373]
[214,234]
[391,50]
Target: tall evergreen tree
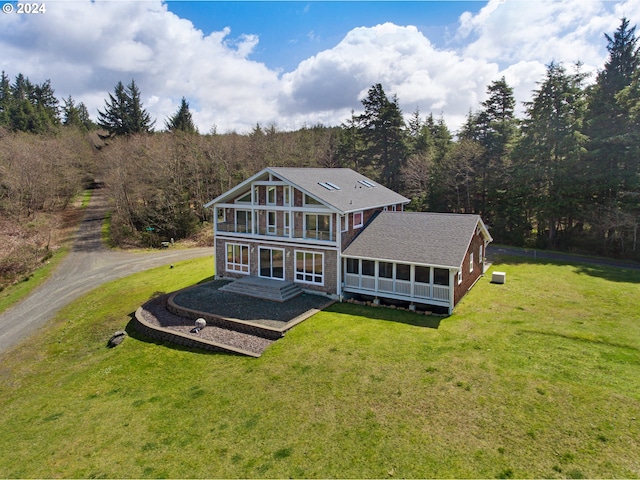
[611,146]
[383,131]
[182,120]
[550,151]
[124,114]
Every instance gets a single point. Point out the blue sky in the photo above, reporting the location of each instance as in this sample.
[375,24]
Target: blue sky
[291,64]
[292,31]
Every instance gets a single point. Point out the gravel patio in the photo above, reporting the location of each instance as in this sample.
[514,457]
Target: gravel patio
[207,298]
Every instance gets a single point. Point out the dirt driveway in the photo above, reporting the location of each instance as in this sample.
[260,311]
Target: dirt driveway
[87,266]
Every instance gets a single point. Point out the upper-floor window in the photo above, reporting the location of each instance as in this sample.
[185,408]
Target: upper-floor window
[358,219]
[271,195]
[471,262]
[243,221]
[246,198]
[287,196]
[317,226]
[310,200]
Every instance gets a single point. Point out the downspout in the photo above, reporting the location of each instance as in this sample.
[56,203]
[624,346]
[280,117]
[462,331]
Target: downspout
[215,240]
[452,290]
[339,257]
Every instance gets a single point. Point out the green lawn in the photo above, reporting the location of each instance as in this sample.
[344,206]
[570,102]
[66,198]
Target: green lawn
[534,378]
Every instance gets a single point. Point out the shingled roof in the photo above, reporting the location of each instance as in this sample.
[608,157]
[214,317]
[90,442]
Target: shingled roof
[354,191]
[342,189]
[436,239]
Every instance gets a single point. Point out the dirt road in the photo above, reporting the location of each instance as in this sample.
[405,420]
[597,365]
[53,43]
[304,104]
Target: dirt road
[87,266]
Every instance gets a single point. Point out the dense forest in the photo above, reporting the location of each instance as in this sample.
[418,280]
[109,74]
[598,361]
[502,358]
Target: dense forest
[565,176]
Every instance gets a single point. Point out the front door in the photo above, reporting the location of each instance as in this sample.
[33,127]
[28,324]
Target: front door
[272,263]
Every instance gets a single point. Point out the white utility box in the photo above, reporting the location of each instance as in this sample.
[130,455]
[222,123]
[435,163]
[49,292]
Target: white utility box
[498,277]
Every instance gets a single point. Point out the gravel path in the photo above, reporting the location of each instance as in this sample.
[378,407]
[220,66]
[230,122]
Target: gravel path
[87,266]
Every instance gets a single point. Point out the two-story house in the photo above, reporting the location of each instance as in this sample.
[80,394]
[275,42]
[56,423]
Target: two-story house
[335,231]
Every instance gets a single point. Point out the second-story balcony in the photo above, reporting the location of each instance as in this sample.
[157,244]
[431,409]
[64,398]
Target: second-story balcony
[310,230]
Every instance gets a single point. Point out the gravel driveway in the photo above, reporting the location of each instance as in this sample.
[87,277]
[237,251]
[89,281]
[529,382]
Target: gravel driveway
[87,266]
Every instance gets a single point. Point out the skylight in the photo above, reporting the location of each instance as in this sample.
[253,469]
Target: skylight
[329,185]
[367,183]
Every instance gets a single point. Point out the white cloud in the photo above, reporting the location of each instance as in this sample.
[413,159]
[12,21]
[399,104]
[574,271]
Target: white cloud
[86,47]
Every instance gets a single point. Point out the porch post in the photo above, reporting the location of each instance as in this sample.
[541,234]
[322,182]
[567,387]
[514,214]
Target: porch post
[452,290]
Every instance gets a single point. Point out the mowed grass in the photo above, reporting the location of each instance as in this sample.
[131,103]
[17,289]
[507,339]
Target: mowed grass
[534,378]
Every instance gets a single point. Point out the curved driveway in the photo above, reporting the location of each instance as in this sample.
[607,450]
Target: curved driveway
[87,266]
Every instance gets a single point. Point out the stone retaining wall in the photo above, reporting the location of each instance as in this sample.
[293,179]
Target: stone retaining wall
[217,321]
[166,335]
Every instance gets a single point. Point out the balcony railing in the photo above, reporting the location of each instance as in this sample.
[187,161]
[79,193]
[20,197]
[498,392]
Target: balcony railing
[281,232]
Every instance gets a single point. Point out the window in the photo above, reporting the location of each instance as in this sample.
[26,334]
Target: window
[287,197]
[403,272]
[246,198]
[353,265]
[471,262]
[310,200]
[237,258]
[480,256]
[423,274]
[459,277]
[368,268]
[317,226]
[243,221]
[385,270]
[440,276]
[357,219]
[287,224]
[309,267]
[271,223]
[271,195]
[344,223]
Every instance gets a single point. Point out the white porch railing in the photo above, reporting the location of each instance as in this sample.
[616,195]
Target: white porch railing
[397,287]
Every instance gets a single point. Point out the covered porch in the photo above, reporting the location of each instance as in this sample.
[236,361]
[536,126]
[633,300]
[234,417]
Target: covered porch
[417,283]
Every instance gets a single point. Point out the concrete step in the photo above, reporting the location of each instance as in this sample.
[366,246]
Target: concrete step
[265,288]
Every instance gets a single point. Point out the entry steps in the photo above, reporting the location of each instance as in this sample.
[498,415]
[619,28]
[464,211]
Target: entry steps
[265,288]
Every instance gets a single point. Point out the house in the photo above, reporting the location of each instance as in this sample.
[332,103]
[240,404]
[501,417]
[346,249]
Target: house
[335,231]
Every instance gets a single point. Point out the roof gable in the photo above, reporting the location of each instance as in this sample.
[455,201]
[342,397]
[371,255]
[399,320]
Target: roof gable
[438,239]
[341,189]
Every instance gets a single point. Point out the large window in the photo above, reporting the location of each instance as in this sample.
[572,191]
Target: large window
[243,221]
[237,258]
[317,226]
[309,267]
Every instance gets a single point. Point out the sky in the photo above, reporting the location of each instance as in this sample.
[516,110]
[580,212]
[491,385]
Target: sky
[292,64]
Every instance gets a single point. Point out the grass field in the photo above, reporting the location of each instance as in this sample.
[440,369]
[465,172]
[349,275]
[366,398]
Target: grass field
[534,378]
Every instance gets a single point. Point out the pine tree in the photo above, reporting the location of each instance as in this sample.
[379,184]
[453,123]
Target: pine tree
[611,143]
[550,151]
[76,115]
[182,120]
[123,114]
[383,131]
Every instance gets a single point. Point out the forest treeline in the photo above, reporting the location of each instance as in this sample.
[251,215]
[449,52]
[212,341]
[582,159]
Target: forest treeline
[564,176]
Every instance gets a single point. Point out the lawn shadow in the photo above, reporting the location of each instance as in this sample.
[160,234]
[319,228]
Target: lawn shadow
[387,314]
[605,270]
[206,280]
